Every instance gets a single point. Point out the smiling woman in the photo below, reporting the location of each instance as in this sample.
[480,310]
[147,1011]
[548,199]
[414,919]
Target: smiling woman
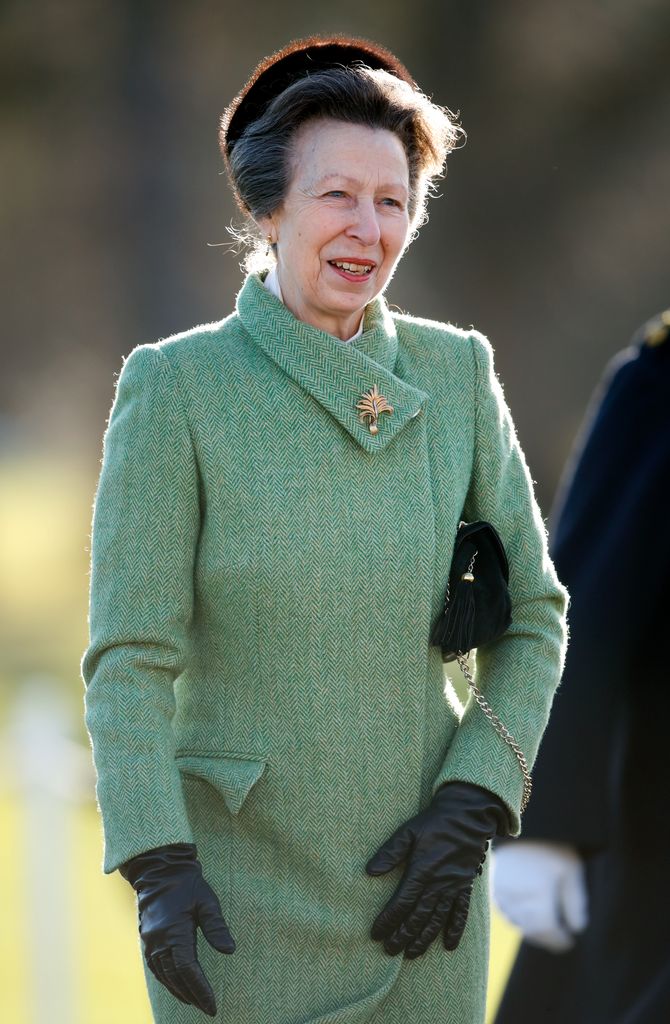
[354,145]
[278,761]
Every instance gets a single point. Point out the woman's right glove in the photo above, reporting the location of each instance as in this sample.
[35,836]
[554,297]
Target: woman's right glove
[173,898]
[541,888]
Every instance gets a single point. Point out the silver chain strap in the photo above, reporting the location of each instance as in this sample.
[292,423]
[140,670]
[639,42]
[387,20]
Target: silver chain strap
[501,729]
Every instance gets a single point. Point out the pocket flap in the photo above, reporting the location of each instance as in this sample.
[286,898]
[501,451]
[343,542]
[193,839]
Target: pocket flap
[233,776]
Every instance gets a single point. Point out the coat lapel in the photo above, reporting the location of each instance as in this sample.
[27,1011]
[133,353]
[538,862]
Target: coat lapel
[335,373]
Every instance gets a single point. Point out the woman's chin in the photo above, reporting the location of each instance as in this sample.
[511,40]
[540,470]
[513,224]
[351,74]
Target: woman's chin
[351,299]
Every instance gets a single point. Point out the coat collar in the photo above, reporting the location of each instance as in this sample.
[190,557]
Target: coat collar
[336,374]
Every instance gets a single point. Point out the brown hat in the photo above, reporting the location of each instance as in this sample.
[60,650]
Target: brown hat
[301,57]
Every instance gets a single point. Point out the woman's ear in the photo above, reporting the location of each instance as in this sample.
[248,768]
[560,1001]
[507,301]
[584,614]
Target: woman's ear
[267,226]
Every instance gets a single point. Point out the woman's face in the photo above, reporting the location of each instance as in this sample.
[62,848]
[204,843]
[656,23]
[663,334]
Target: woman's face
[346,204]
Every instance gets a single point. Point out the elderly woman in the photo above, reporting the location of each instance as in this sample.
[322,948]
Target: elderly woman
[278,761]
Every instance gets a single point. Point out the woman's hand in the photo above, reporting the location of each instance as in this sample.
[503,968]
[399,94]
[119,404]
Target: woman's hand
[173,899]
[445,847]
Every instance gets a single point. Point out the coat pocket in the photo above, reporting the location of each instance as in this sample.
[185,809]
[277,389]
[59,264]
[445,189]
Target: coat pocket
[231,774]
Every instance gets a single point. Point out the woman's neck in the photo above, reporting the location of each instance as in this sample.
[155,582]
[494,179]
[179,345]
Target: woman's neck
[273,285]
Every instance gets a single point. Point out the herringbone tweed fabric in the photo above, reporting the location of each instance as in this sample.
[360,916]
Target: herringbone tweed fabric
[265,575]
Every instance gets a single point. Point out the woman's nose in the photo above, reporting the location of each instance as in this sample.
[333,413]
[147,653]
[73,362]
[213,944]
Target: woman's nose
[365,223]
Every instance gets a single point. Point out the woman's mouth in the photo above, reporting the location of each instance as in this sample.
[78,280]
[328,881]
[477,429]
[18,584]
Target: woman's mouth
[352,270]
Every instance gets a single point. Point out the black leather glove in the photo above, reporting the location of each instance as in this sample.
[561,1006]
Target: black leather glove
[445,846]
[173,899]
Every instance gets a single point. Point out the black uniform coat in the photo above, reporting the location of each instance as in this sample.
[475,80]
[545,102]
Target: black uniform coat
[601,777]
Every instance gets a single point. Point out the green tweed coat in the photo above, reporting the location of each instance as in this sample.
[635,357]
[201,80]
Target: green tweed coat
[259,679]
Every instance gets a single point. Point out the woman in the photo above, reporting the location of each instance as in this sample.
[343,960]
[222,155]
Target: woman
[277,759]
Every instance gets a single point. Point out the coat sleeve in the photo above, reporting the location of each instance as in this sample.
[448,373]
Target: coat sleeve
[145,529]
[519,672]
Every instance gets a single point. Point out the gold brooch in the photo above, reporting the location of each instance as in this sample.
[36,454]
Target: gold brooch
[372,405]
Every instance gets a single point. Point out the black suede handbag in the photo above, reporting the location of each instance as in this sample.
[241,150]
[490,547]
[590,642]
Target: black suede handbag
[477,605]
[478,610]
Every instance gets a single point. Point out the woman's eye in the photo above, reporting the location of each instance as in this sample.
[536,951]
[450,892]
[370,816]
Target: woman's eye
[391,201]
[335,192]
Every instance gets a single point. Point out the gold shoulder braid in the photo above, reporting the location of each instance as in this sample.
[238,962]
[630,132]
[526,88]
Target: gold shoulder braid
[657,331]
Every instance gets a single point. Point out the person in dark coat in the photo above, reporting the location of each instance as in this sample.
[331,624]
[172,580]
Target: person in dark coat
[586,883]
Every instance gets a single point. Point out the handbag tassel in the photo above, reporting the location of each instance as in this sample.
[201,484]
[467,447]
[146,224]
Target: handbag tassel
[463,622]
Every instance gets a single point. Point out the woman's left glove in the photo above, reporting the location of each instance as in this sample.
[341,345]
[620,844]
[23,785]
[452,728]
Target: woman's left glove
[445,846]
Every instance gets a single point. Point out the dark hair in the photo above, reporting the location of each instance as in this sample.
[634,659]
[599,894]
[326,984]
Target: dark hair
[259,162]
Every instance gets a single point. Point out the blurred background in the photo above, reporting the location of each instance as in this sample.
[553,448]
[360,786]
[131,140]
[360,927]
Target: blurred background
[551,235]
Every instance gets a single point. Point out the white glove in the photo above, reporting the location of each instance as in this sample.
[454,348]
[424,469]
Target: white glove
[541,888]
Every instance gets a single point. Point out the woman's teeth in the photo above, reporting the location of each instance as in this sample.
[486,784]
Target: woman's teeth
[353,268]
